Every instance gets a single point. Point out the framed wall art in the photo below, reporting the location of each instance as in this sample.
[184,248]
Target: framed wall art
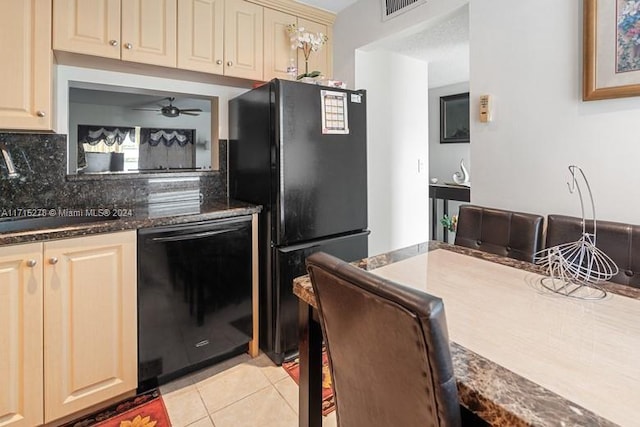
[611,49]
[454,118]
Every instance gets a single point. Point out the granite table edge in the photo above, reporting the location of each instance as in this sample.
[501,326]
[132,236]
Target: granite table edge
[496,394]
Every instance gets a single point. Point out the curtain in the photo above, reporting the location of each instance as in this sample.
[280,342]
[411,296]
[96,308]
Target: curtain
[167,137]
[110,135]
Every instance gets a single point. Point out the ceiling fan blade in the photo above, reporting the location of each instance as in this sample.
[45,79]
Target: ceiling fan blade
[187,113]
[191,109]
[145,109]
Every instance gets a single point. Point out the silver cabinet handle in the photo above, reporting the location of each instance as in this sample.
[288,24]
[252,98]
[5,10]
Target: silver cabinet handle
[40,113]
[113,42]
[219,62]
[32,263]
[229,63]
[53,260]
[128,46]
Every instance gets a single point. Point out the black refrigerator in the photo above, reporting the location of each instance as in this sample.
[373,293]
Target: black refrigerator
[299,150]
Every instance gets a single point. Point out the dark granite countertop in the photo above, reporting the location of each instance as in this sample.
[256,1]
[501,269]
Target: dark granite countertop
[497,394]
[145,174]
[120,219]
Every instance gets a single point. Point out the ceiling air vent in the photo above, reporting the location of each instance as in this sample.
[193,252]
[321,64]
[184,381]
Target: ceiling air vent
[393,8]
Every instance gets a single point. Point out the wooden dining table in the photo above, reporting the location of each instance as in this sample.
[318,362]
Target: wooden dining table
[522,355]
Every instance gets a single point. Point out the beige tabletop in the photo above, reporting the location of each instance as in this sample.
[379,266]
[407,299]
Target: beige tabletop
[585,351]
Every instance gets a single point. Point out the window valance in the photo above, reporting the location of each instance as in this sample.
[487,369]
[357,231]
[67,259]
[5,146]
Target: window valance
[110,135]
[167,137]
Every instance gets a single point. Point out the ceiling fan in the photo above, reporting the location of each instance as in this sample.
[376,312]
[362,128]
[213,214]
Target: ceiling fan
[171,110]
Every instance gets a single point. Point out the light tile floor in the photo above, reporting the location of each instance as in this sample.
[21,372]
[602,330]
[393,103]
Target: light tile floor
[240,392]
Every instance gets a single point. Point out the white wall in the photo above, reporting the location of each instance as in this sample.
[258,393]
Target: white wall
[397,115]
[444,159]
[396,128]
[530,60]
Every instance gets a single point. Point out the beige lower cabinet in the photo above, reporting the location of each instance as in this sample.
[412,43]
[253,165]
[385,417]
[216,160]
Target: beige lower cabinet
[21,326]
[87,288]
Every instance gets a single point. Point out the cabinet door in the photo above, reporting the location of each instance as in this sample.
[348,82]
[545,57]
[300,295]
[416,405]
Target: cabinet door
[21,335]
[91,27]
[90,321]
[25,44]
[200,35]
[149,31]
[278,54]
[243,39]
[320,60]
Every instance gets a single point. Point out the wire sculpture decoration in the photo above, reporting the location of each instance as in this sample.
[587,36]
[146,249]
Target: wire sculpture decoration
[576,268]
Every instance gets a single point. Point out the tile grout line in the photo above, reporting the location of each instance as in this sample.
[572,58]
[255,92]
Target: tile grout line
[285,399]
[233,403]
[205,407]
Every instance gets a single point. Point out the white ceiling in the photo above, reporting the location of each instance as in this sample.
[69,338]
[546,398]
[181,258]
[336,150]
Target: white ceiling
[445,46]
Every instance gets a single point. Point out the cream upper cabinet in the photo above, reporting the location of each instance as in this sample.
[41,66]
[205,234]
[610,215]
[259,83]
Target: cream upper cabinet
[243,45]
[21,334]
[278,55]
[91,27]
[132,30]
[237,38]
[149,31]
[25,103]
[68,326]
[90,321]
[201,35]
[322,59]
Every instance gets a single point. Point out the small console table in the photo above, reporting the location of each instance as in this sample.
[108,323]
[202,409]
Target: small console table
[445,192]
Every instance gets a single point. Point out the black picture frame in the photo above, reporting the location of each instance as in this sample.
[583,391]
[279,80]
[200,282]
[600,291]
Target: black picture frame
[454,118]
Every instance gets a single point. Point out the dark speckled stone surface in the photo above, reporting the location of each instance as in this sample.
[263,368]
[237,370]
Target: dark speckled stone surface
[140,218]
[496,394]
[42,189]
[40,160]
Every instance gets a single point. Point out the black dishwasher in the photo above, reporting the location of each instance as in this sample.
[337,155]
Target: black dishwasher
[194,296]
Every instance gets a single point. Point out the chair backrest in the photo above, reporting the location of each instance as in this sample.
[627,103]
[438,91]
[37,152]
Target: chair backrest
[388,349]
[512,234]
[621,242]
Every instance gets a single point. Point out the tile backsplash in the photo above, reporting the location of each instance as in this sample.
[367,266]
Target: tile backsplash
[40,162]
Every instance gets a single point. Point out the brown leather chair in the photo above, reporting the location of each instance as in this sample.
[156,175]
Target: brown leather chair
[512,234]
[388,349]
[620,241]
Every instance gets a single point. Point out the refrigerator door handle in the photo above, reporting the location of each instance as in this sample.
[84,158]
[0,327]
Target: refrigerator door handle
[287,249]
[315,244]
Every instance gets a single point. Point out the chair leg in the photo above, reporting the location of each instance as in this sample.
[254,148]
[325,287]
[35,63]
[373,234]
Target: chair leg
[310,382]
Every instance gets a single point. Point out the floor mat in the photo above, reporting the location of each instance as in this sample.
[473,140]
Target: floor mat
[328,402]
[144,410]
